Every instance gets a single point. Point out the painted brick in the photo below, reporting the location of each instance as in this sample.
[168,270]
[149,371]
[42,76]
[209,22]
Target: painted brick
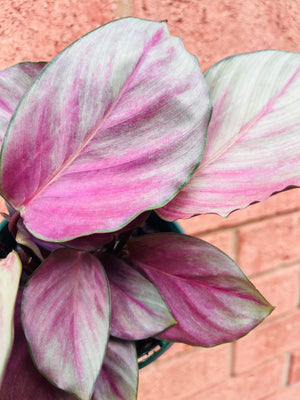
[267,244]
[281,203]
[193,371]
[255,385]
[38,30]
[281,289]
[223,240]
[267,341]
[288,393]
[214,29]
[294,373]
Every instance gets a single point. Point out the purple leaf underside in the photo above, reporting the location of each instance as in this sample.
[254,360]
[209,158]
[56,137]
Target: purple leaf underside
[137,308]
[98,240]
[66,319]
[209,296]
[89,114]
[252,148]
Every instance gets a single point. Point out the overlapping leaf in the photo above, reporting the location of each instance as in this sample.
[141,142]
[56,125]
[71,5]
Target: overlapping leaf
[137,308]
[66,319]
[14,82]
[253,146]
[117,125]
[119,373]
[209,296]
[22,380]
[10,272]
[97,240]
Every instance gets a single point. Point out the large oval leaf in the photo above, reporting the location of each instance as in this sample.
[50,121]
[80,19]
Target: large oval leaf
[66,319]
[22,380]
[117,120]
[137,308]
[209,296]
[10,272]
[253,140]
[118,378]
[14,81]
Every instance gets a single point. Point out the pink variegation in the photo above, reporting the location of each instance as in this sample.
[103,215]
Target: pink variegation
[22,380]
[135,313]
[66,319]
[252,148]
[119,374]
[210,297]
[14,82]
[89,140]
[112,128]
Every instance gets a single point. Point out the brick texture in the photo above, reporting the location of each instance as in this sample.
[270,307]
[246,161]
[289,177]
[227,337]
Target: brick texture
[280,204]
[267,244]
[249,386]
[185,374]
[214,29]
[38,30]
[281,288]
[264,238]
[266,341]
[294,372]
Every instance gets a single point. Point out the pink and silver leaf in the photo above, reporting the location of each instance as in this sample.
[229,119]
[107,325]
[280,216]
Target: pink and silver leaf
[14,81]
[66,317]
[10,273]
[137,309]
[22,380]
[209,296]
[253,146]
[118,378]
[117,125]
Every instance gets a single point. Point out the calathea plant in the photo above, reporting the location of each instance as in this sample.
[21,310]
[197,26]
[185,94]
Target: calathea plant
[120,123]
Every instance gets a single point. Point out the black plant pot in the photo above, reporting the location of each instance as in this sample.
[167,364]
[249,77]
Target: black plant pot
[148,349]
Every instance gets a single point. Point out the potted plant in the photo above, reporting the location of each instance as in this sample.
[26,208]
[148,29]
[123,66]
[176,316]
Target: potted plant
[120,123]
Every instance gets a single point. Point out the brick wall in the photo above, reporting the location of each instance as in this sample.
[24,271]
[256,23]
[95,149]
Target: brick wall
[263,239]
[265,364]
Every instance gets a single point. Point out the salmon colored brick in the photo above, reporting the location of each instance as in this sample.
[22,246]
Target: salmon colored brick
[214,29]
[38,30]
[223,240]
[280,204]
[281,289]
[288,393]
[254,385]
[267,341]
[294,372]
[270,243]
[175,378]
